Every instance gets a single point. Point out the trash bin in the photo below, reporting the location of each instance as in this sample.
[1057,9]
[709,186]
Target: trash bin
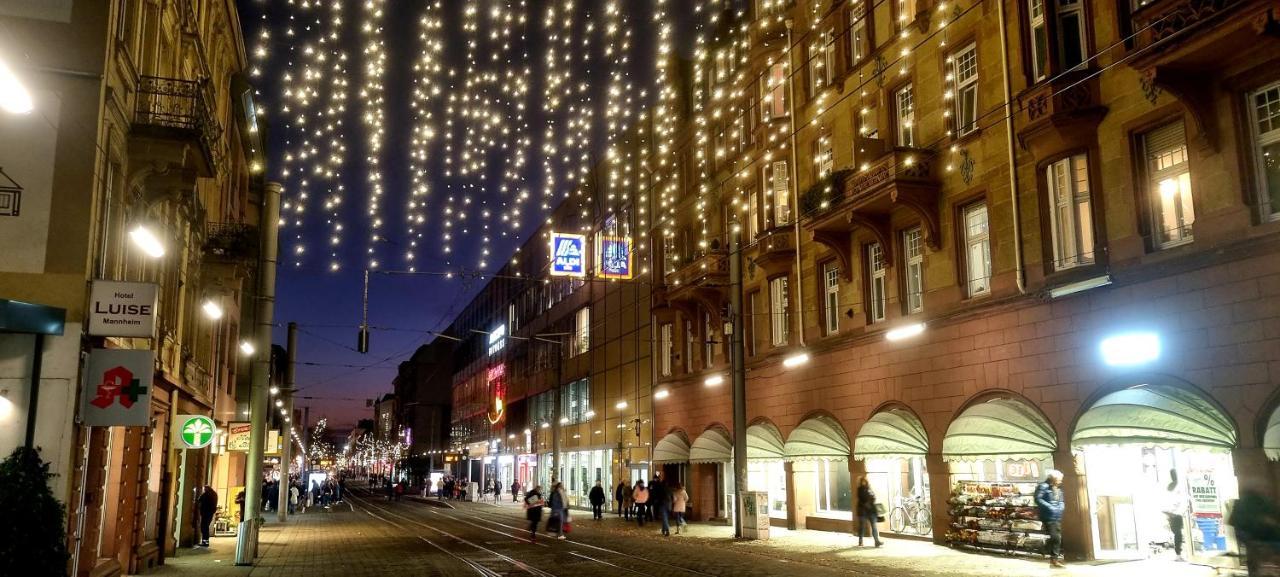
[473,491]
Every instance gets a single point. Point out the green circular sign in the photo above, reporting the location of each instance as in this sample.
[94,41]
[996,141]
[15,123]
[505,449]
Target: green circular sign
[197,432]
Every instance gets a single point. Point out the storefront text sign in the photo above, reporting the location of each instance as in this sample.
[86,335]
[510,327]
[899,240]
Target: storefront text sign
[122,309]
[117,388]
[238,436]
[615,257]
[1204,495]
[568,254]
[193,432]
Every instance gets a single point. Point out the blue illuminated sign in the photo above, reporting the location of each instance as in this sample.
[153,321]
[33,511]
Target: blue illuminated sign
[615,257]
[568,254]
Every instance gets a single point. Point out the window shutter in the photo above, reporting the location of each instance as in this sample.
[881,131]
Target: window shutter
[1166,137]
[780,179]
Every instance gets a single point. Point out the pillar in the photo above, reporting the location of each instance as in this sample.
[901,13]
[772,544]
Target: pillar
[857,470]
[939,472]
[790,473]
[1077,529]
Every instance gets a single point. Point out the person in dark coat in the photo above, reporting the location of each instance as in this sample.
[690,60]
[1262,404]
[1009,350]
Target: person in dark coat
[867,512]
[620,495]
[208,508]
[1050,505]
[597,501]
[660,504]
[515,491]
[533,503]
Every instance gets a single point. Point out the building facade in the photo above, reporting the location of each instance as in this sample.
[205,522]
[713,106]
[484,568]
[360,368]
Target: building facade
[425,387]
[142,120]
[980,240]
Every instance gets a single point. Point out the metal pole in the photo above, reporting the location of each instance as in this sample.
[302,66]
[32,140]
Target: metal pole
[739,369]
[555,416]
[33,400]
[247,546]
[286,452]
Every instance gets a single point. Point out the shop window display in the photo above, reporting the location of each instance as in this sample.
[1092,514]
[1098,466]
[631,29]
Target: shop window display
[903,486]
[992,505]
[769,476]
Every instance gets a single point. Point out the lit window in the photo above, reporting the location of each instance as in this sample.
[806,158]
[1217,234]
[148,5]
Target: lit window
[913,256]
[581,331]
[1169,184]
[778,305]
[664,356]
[773,93]
[777,186]
[906,12]
[905,110]
[977,242]
[708,341]
[1071,218]
[1039,40]
[964,66]
[875,272]
[1264,105]
[823,160]
[753,216]
[859,41]
[822,62]
[834,489]
[831,287]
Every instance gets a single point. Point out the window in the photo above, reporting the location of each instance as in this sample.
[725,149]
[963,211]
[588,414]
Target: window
[875,274]
[859,39]
[964,67]
[906,12]
[575,401]
[780,324]
[831,302]
[905,111]
[868,126]
[822,157]
[665,350]
[777,185]
[977,255]
[1071,218]
[581,331]
[767,7]
[834,490]
[708,341]
[1039,40]
[753,216]
[822,62]
[689,337]
[1264,106]
[513,320]
[751,323]
[773,93]
[1071,45]
[724,64]
[913,257]
[1169,184]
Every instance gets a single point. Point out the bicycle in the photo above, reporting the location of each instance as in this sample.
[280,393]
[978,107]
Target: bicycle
[911,513]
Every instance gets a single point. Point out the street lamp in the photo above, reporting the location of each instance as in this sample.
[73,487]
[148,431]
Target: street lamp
[246,347]
[795,360]
[14,97]
[904,332]
[145,239]
[212,309]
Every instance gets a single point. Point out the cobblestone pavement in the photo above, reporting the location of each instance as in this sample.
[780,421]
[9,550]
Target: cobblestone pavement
[371,537]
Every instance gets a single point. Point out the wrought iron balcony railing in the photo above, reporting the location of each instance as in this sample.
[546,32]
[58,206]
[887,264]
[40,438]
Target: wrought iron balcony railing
[177,109]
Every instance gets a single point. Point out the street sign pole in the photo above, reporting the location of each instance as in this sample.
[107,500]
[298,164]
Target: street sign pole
[182,497]
[286,426]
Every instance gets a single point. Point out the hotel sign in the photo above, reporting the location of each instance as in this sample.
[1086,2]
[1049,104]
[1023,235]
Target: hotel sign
[615,257]
[568,254]
[123,309]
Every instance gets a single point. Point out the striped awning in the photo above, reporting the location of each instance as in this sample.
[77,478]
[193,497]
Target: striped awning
[1155,414]
[712,446]
[819,437]
[891,434]
[673,448]
[1003,428]
[764,442]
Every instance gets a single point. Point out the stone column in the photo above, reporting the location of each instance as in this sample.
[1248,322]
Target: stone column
[1077,520]
[857,469]
[939,472]
[790,474]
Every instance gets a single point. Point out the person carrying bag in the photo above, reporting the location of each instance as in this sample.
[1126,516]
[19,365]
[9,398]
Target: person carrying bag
[533,510]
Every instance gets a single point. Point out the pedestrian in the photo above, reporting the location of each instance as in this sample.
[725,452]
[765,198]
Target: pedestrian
[679,502]
[533,503]
[640,495]
[208,507]
[1175,506]
[1049,503]
[240,504]
[660,504]
[293,498]
[868,512]
[618,495]
[515,491]
[399,490]
[597,501]
[1256,519]
[559,510]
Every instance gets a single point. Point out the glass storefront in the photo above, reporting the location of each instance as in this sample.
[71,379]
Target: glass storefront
[769,476]
[903,486]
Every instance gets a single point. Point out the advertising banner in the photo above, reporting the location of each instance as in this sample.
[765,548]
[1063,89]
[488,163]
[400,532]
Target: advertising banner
[123,309]
[238,436]
[117,388]
[615,257]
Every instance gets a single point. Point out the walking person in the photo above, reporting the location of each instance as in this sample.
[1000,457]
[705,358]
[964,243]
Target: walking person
[868,514]
[660,504]
[640,495]
[1175,506]
[293,498]
[1050,505]
[208,508]
[597,501]
[618,494]
[628,501]
[679,502]
[515,491]
[533,503]
[559,509]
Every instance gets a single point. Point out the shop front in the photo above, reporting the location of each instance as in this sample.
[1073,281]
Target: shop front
[581,470]
[892,445]
[818,450]
[671,456]
[997,452]
[1159,473]
[766,468]
[527,470]
[710,483]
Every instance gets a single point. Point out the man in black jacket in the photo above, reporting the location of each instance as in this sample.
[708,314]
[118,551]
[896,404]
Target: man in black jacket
[208,508]
[660,504]
[597,501]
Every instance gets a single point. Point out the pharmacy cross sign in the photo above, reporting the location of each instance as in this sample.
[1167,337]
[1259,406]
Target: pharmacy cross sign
[196,432]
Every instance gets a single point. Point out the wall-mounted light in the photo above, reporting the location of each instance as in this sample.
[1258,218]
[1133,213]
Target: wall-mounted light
[1130,349]
[147,241]
[546,425]
[14,97]
[621,405]
[661,394]
[904,332]
[796,360]
[246,347]
[589,414]
[212,309]
[713,381]
[274,390]
[6,406]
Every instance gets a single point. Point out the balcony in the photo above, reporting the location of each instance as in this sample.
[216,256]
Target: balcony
[231,242]
[776,249]
[172,117]
[769,28]
[1060,114]
[1185,46]
[701,281]
[867,196]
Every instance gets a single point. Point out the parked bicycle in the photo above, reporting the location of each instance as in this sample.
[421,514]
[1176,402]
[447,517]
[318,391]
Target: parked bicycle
[911,514]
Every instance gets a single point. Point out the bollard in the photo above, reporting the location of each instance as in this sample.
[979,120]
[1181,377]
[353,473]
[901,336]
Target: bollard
[247,542]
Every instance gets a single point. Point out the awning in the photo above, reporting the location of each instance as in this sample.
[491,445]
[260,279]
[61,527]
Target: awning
[1271,438]
[712,446]
[764,442]
[31,318]
[673,448]
[1163,415]
[1003,428]
[891,434]
[816,438]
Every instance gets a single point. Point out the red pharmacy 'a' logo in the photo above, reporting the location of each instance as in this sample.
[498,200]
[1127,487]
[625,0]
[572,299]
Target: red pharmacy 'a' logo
[118,383]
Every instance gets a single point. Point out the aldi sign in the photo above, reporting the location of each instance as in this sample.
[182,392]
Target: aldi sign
[117,388]
[615,257]
[568,254]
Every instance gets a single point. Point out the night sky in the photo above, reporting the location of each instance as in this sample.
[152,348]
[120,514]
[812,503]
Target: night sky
[404,307]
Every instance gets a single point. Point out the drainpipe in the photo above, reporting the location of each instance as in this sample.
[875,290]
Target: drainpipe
[1013,172]
[795,185]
